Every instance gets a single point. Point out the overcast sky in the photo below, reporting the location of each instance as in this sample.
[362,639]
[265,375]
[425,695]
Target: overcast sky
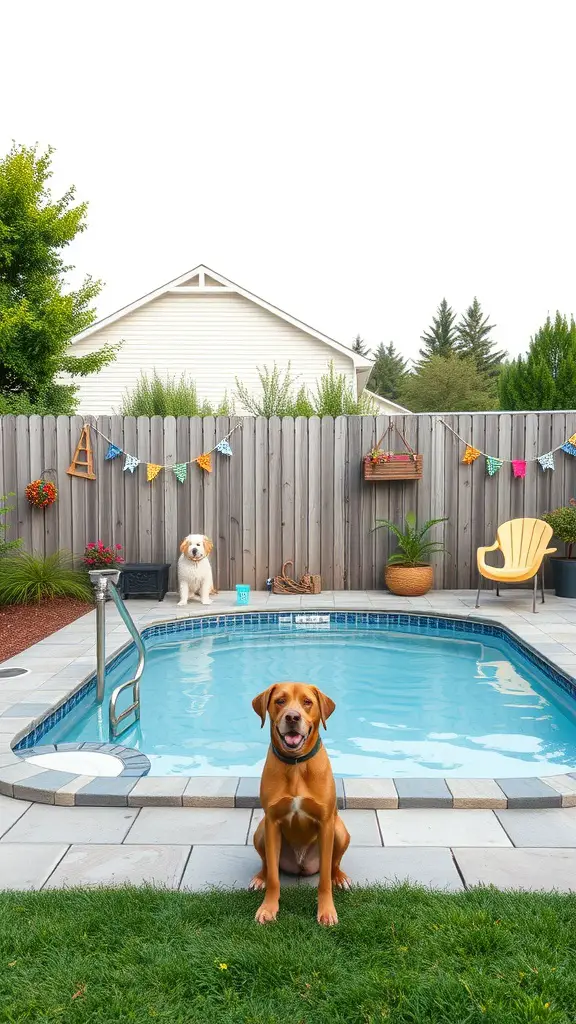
[351,163]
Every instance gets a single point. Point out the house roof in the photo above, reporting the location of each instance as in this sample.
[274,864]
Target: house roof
[203,280]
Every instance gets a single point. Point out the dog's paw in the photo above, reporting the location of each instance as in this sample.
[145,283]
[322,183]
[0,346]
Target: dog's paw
[208,601]
[340,880]
[182,604]
[257,883]
[266,913]
[327,915]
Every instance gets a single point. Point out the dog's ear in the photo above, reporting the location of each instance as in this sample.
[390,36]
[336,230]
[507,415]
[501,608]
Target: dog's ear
[326,705]
[261,702]
[184,546]
[208,545]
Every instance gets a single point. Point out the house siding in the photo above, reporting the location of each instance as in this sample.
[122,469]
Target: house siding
[211,337]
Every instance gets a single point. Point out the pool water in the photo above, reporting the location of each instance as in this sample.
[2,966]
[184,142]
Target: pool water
[407,704]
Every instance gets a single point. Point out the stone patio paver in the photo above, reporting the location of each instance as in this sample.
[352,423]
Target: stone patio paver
[223,866]
[10,811]
[433,868]
[471,793]
[442,827]
[28,865]
[363,827]
[546,828]
[43,823]
[191,826]
[535,869]
[115,864]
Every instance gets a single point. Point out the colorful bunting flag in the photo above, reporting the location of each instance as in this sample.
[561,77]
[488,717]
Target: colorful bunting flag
[113,452]
[493,465]
[223,447]
[470,454]
[572,440]
[131,463]
[205,462]
[519,467]
[547,460]
[180,471]
[152,471]
[569,447]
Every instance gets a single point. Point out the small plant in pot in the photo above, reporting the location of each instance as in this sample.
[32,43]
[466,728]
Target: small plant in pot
[408,572]
[563,523]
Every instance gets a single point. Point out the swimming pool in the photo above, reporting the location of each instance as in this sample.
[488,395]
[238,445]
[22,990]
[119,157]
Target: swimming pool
[416,696]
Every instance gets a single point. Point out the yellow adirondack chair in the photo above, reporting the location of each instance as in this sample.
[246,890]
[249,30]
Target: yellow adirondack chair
[523,545]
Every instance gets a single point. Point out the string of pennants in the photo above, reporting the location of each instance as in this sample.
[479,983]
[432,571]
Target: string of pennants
[180,469]
[494,465]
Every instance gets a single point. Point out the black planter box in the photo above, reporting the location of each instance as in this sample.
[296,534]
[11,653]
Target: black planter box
[144,579]
[564,576]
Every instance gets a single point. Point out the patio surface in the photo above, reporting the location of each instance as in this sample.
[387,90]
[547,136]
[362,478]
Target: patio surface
[43,845]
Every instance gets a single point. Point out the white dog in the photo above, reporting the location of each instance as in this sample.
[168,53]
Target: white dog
[194,570]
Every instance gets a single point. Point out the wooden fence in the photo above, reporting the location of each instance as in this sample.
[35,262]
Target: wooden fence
[293,489]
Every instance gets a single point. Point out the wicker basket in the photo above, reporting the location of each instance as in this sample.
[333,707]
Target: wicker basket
[409,581]
[308,584]
[393,466]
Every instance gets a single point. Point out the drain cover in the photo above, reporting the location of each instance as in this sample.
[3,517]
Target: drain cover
[11,673]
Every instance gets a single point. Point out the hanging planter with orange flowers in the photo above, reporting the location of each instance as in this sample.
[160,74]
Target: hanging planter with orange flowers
[41,493]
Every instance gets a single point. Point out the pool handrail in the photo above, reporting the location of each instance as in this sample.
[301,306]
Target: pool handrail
[104,582]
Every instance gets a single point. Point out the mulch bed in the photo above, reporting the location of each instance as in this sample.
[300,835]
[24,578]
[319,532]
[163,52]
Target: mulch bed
[22,625]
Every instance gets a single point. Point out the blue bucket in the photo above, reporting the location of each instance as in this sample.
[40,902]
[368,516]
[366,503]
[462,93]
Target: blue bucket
[242,593]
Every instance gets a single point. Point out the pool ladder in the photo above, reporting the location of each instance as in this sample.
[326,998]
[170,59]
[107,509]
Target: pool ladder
[104,582]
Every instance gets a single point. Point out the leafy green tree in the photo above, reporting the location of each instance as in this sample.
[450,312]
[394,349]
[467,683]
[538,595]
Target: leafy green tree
[545,378]
[447,384]
[440,338]
[38,315]
[473,333]
[388,371]
[360,346]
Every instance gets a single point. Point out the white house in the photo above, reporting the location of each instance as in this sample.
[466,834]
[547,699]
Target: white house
[213,330]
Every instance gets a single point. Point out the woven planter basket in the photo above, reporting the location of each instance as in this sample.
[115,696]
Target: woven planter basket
[409,581]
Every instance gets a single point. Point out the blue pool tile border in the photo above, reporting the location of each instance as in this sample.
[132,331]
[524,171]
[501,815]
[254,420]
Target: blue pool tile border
[363,792]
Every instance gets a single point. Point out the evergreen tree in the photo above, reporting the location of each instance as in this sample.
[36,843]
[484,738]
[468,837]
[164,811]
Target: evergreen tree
[440,338]
[447,384]
[473,334]
[360,346]
[545,378]
[37,315]
[388,372]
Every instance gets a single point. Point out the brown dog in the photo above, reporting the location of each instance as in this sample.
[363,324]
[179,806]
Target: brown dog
[301,831]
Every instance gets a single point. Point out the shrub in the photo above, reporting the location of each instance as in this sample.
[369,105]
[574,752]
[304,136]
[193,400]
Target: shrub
[334,396]
[98,556]
[6,545]
[25,578]
[563,522]
[277,393]
[153,396]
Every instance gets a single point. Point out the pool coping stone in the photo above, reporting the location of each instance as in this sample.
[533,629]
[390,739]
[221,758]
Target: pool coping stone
[133,787]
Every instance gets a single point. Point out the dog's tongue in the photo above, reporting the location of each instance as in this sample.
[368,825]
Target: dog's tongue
[292,739]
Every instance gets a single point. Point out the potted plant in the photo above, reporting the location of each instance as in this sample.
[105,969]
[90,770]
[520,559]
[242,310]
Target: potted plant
[408,572]
[563,522]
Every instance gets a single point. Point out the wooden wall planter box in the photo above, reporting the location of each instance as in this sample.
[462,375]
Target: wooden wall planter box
[395,466]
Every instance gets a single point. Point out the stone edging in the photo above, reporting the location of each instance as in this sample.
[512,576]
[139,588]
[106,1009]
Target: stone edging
[134,788]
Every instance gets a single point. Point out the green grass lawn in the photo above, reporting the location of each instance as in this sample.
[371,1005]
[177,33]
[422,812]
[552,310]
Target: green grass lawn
[398,955]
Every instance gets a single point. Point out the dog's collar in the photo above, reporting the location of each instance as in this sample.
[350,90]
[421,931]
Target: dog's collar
[297,760]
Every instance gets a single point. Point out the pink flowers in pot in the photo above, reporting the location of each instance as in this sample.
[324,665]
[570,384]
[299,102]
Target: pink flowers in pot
[98,556]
